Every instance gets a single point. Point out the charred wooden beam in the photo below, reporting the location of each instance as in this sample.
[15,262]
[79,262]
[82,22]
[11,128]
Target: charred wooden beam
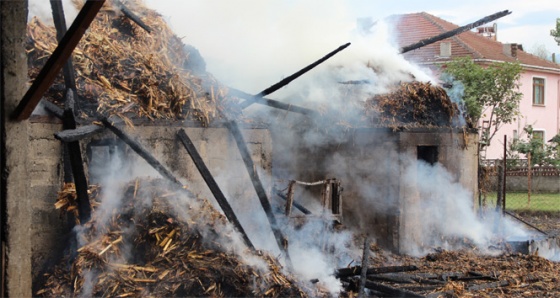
[53,109]
[57,60]
[401,279]
[292,77]
[76,162]
[390,291]
[132,16]
[145,154]
[60,25]
[345,272]
[272,103]
[80,133]
[296,204]
[490,285]
[451,33]
[214,188]
[259,188]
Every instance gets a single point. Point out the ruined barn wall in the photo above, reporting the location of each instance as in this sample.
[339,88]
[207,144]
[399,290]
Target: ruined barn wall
[49,229]
[457,152]
[365,161]
[220,153]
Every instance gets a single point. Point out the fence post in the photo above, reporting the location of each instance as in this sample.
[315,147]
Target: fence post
[529,180]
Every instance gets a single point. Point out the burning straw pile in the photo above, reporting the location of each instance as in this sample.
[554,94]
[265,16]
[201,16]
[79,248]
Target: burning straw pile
[150,247]
[413,104]
[123,69]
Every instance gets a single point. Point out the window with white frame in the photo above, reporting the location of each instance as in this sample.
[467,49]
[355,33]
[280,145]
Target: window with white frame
[538,91]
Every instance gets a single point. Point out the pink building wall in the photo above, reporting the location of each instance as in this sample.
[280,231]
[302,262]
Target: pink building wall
[545,118]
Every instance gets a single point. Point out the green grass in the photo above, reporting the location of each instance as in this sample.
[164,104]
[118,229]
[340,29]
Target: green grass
[518,201]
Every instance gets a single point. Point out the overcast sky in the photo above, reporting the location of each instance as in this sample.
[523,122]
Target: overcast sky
[250,44]
[529,23]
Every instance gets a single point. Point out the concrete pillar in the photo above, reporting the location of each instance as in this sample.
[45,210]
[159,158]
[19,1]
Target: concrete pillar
[16,205]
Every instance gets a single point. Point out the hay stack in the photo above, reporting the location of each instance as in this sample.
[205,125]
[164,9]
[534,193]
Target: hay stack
[413,104]
[122,69]
[150,248]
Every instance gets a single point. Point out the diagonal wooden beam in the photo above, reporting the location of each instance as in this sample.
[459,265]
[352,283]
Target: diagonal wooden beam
[57,60]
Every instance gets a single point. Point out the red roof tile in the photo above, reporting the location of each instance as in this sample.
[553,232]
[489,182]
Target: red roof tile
[414,27]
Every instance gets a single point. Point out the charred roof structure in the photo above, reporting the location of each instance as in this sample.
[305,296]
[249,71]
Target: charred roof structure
[136,102]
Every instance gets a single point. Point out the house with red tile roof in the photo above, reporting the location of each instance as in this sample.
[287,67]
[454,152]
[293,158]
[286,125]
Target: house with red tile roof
[539,82]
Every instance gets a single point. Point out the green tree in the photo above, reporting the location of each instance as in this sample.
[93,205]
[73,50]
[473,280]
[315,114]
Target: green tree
[556,32]
[490,92]
[542,153]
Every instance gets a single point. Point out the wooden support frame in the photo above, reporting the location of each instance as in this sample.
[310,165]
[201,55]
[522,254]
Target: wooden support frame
[76,162]
[214,188]
[259,188]
[58,59]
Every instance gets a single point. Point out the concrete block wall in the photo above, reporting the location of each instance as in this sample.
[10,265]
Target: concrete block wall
[49,228]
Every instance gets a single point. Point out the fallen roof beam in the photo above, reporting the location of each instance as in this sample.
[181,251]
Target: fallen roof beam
[132,16]
[53,109]
[145,154]
[271,103]
[390,291]
[296,204]
[351,271]
[214,188]
[289,79]
[57,60]
[80,133]
[451,33]
[259,188]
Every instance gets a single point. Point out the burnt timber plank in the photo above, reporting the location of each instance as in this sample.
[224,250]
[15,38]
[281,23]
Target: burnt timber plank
[257,184]
[60,25]
[57,60]
[71,135]
[140,150]
[132,16]
[260,97]
[346,272]
[216,191]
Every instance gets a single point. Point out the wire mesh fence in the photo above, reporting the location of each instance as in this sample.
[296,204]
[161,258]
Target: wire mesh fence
[534,188]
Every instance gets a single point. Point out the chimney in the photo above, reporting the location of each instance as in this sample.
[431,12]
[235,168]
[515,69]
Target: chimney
[495,28]
[445,49]
[510,49]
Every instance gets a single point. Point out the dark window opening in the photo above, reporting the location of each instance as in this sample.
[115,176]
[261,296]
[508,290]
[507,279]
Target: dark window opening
[428,154]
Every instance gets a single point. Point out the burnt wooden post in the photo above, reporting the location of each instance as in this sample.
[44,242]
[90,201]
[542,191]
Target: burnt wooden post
[286,81]
[505,176]
[272,103]
[60,25]
[216,191]
[365,264]
[257,184]
[76,162]
[57,60]
[500,188]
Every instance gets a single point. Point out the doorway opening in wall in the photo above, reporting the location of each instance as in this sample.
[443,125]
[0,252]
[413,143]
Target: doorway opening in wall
[428,154]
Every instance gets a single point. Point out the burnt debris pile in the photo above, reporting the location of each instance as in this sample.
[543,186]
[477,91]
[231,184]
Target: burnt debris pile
[157,243]
[412,104]
[121,68]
